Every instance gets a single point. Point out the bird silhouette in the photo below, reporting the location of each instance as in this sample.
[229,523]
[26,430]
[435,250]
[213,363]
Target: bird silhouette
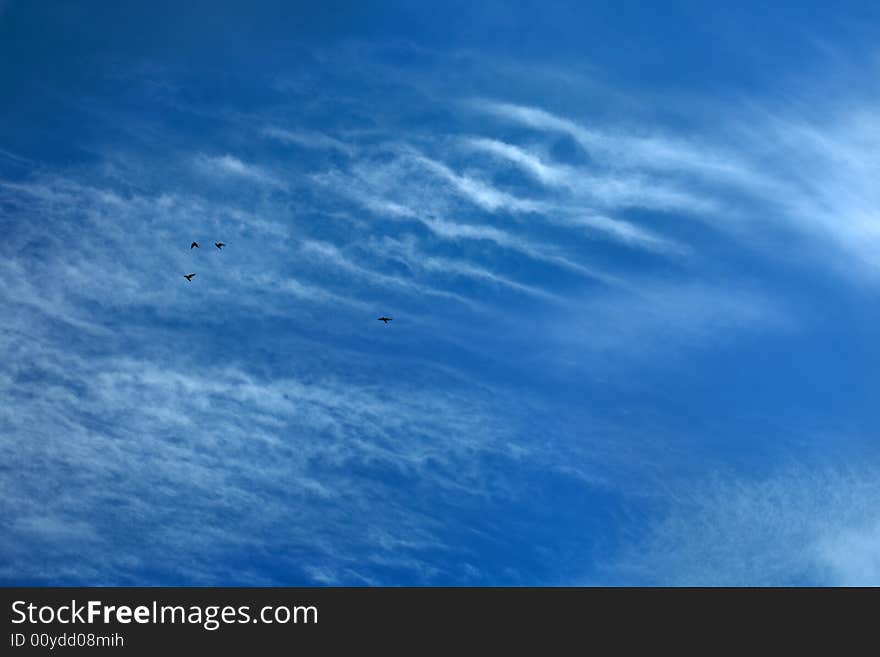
[219,245]
[385,319]
[189,277]
[194,245]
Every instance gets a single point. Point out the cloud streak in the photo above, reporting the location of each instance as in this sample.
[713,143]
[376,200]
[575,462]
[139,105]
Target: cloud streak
[315,140]
[230,166]
[626,151]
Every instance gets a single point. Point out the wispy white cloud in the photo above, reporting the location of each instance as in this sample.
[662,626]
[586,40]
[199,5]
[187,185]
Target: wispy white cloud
[824,172]
[301,290]
[628,233]
[552,174]
[652,152]
[537,251]
[230,166]
[852,556]
[154,231]
[601,190]
[455,231]
[228,442]
[793,168]
[315,140]
[479,192]
[587,192]
[327,253]
[606,189]
[419,201]
[12,157]
[800,526]
[417,260]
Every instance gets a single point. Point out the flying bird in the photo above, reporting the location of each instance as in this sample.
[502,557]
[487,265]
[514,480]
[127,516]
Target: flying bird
[189,277]
[194,245]
[219,245]
[385,319]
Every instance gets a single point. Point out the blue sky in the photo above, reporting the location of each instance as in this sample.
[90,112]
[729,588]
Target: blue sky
[631,250]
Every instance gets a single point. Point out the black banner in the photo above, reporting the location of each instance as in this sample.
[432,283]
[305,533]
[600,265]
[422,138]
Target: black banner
[147,620]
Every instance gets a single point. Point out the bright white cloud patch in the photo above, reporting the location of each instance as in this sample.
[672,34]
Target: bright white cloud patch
[852,557]
[798,527]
